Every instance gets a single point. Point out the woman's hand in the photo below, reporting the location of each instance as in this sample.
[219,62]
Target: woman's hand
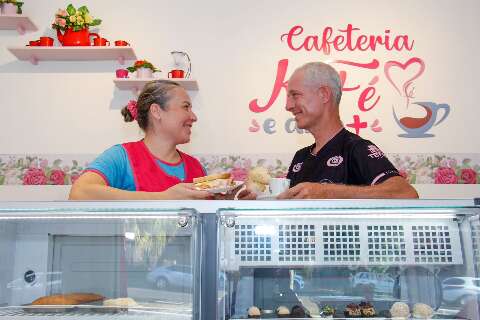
[183,191]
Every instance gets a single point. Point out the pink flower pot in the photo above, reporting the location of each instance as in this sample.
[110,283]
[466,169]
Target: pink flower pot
[9,9]
[144,73]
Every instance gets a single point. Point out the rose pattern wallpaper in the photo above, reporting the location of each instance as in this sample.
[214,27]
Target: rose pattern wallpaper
[65,169]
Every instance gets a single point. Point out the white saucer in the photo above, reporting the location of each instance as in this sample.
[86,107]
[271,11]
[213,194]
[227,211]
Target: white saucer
[266,196]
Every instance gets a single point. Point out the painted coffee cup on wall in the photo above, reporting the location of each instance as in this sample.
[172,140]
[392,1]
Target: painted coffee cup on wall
[101,42]
[45,41]
[176,73]
[121,43]
[121,73]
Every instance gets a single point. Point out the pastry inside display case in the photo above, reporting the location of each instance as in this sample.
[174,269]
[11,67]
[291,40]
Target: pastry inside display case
[345,267]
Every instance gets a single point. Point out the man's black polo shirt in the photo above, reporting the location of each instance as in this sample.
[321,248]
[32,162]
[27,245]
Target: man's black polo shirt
[345,159]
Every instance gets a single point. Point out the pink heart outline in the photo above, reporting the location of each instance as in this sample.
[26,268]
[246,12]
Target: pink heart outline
[390,64]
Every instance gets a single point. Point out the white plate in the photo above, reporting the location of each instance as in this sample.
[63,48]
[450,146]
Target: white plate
[266,196]
[232,187]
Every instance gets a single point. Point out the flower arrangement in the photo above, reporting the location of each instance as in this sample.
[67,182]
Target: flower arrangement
[142,64]
[75,19]
[19,4]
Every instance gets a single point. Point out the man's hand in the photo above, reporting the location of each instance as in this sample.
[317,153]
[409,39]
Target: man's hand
[306,190]
[392,188]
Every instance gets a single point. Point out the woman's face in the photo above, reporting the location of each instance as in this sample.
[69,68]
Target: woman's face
[177,119]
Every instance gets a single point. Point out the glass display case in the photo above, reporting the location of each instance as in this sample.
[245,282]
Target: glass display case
[96,261]
[333,262]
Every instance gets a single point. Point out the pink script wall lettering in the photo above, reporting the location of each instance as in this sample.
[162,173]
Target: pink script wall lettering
[368,99]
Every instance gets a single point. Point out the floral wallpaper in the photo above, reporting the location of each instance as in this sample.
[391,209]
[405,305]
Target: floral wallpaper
[65,169]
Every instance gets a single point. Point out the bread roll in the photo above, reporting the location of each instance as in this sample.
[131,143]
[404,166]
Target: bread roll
[258,180]
[422,311]
[67,299]
[400,310]
[120,302]
[260,175]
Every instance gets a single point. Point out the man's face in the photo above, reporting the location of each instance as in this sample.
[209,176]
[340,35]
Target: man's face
[303,102]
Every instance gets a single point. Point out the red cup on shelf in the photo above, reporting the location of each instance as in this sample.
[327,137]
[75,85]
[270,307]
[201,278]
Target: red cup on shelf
[45,42]
[121,43]
[34,43]
[121,73]
[176,73]
[101,42]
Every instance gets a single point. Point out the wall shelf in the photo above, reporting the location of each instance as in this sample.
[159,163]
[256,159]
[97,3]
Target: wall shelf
[18,22]
[36,54]
[136,85]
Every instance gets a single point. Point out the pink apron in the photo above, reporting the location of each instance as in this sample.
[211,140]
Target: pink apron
[148,175]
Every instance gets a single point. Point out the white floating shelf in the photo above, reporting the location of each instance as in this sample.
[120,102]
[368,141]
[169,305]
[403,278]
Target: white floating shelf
[136,85]
[36,54]
[17,22]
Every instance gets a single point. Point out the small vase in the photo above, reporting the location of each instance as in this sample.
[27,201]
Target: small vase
[143,73]
[9,9]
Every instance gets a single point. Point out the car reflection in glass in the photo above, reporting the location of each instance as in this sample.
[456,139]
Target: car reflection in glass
[174,277]
[458,290]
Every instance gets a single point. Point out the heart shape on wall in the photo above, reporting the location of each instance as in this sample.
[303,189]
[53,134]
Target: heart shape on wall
[397,80]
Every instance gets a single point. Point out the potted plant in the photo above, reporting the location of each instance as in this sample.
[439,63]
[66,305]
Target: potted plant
[143,69]
[11,7]
[75,23]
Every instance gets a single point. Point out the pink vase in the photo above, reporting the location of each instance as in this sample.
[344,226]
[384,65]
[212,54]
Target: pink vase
[9,9]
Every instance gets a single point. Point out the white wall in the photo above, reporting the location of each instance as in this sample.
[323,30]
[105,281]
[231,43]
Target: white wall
[73,107]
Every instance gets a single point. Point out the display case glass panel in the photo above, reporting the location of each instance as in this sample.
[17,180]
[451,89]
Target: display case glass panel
[349,263]
[99,262]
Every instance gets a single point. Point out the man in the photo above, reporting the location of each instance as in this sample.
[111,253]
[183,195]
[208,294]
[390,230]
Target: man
[339,164]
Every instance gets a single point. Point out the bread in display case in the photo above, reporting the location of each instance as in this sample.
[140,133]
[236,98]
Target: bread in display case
[412,262]
[90,262]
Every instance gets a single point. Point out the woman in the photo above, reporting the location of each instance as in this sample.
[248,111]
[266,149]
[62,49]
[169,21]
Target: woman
[152,168]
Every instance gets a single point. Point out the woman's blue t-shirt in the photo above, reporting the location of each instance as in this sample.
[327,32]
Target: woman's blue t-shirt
[114,165]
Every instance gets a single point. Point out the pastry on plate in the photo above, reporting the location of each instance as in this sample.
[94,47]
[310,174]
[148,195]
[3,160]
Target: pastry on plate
[120,302]
[299,312]
[67,299]
[367,309]
[422,311]
[258,180]
[400,310]
[327,311]
[283,312]
[352,310]
[253,312]
[213,181]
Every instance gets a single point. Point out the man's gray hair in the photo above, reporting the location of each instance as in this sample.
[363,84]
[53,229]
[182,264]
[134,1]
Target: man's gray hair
[318,74]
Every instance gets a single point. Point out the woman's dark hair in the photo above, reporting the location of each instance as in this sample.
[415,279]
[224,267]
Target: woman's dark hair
[156,91]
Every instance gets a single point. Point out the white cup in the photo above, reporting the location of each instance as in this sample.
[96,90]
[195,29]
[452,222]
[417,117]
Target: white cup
[278,185]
